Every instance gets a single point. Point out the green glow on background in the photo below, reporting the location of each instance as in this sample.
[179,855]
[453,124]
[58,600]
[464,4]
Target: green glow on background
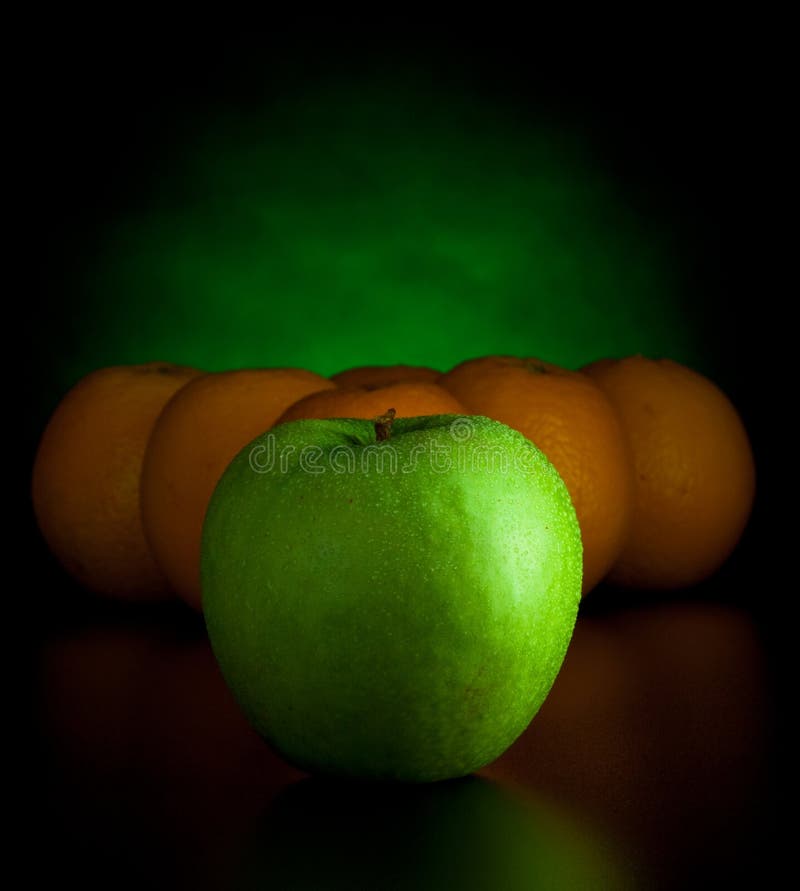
[347,226]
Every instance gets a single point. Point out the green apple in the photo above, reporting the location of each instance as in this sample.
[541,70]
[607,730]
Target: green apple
[391,599]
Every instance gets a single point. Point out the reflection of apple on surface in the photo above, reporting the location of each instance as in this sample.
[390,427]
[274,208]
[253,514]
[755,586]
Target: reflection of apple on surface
[391,599]
[468,834]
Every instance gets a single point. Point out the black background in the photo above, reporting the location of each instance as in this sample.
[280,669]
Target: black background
[693,122]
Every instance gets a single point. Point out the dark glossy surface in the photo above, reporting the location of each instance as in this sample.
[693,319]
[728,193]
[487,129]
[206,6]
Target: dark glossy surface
[646,767]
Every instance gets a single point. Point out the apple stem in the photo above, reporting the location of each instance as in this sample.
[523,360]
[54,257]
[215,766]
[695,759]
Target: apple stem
[383,425]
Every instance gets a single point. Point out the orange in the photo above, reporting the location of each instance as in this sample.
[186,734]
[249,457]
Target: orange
[381,375]
[573,422]
[408,399]
[694,471]
[196,436]
[86,477]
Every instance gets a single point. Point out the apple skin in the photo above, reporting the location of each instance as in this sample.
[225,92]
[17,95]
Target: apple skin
[396,622]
